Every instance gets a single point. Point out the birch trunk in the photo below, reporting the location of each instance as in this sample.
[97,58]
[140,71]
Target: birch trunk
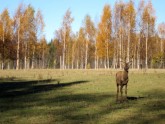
[25,59]
[105,64]
[146,61]
[18,46]
[161,52]
[33,58]
[120,51]
[3,54]
[128,47]
[43,60]
[95,55]
[86,54]
[72,59]
[77,64]
[60,63]
[107,55]
[63,57]
[138,53]
[114,55]
[97,62]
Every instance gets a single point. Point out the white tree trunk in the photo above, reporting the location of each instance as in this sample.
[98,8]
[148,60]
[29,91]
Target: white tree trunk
[8,65]
[161,52]
[32,60]
[86,54]
[107,55]
[114,55]
[138,53]
[120,52]
[3,48]
[146,61]
[105,64]
[128,47]
[60,63]
[95,55]
[25,59]
[82,59]
[77,64]
[28,59]
[18,46]
[97,62]
[43,60]
[64,49]
[72,60]
[161,45]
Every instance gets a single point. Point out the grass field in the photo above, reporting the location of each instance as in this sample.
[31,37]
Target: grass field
[80,96]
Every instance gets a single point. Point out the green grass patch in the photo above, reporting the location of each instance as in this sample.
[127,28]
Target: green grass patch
[80,96]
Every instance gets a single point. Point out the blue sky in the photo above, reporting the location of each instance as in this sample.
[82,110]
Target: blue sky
[53,11]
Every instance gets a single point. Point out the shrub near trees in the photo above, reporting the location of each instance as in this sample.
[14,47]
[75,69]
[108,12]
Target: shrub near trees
[124,33]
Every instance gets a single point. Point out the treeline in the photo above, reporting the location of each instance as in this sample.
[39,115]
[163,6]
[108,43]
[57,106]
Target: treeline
[124,33]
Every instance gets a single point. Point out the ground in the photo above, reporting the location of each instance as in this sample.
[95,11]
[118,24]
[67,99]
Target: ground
[80,96]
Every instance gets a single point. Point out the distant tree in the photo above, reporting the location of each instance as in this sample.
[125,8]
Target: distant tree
[66,30]
[29,34]
[81,48]
[119,22]
[6,34]
[38,34]
[121,35]
[140,29]
[19,29]
[52,54]
[58,42]
[104,35]
[161,30]
[44,50]
[130,16]
[148,24]
[89,29]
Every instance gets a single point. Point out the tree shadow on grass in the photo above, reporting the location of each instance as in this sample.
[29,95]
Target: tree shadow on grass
[150,109]
[21,88]
[80,108]
[91,108]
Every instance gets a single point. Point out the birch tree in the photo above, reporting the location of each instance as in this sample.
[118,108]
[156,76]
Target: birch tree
[161,30]
[38,34]
[19,29]
[6,24]
[148,23]
[140,31]
[66,30]
[89,34]
[119,29]
[130,16]
[104,34]
[81,47]
[29,32]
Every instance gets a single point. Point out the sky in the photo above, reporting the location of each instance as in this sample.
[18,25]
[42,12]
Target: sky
[54,10]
